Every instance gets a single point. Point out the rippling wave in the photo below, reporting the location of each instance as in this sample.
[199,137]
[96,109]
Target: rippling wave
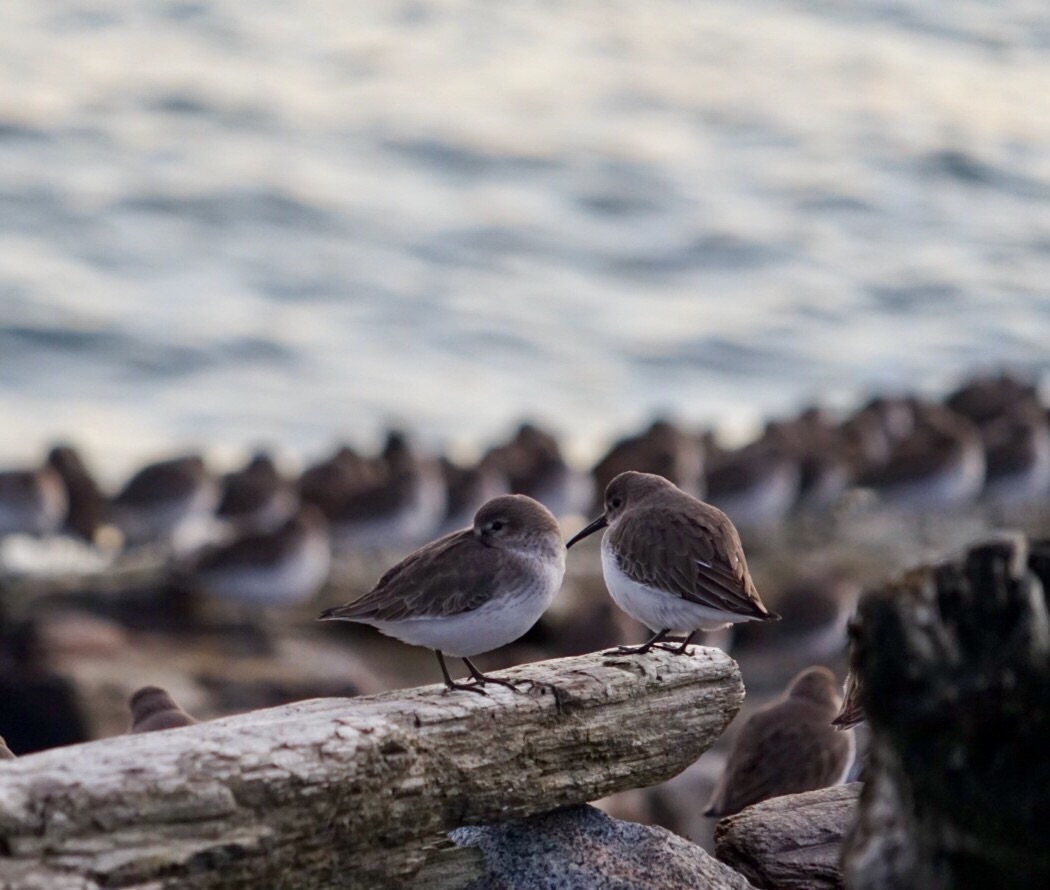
[226,223]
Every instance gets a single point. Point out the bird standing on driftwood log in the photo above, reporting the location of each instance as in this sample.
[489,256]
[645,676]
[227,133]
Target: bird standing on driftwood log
[470,591]
[671,561]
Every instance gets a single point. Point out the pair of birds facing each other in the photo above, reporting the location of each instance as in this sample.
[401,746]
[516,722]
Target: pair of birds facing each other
[669,560]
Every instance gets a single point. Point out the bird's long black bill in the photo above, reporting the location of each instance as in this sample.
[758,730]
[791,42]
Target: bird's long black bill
[595,526]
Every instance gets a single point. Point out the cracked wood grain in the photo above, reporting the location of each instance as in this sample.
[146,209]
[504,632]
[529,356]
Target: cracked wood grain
[353,792]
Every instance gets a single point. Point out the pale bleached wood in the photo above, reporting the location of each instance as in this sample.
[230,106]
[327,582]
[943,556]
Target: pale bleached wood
[791,842]
[353,792]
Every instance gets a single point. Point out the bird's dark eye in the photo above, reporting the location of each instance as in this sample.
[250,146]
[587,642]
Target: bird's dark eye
[496,525]
[615,502]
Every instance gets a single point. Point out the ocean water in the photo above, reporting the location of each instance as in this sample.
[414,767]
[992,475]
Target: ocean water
[226,224]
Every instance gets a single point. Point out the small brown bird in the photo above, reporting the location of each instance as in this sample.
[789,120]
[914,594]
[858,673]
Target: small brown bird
[787,747]
[256,498]
[533,464]
[940,463]
[671,561]
[663,450]
[399,510]
[5,752]
[473,590]
[87,505]
[157,499]
[273,568]
[152,709]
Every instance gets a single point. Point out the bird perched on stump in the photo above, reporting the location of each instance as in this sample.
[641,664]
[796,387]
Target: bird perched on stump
[786,748]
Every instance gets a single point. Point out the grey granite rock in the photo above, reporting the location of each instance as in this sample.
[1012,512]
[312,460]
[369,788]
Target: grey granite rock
[581,848]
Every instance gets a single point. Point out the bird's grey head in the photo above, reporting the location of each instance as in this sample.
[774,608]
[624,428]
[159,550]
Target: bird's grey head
[630,489]
[626,490]
[816,684]
[514,521]
[149,700]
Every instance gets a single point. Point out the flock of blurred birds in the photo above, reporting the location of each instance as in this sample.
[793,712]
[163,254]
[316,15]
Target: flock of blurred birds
[260,537]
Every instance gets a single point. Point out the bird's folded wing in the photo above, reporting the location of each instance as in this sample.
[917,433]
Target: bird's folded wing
[451,575]
[687,558]
[771,757]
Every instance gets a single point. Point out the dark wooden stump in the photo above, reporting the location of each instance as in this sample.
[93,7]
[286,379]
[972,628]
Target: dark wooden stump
[955,664]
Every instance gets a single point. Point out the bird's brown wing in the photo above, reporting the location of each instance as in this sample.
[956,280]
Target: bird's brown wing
[451,575]
[694,554]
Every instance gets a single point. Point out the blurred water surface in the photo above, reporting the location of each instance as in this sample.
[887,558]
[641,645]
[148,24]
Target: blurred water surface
[258,222]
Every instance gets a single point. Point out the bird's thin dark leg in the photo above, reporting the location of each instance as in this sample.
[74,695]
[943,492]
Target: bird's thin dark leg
[639,650]
[452,684]
[481,679]
[678,650]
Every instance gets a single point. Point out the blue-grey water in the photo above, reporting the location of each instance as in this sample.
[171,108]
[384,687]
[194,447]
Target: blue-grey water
[232,223]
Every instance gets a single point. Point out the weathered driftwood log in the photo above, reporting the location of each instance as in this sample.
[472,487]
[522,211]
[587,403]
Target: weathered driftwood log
[353,792]
[955,663]
[790,842]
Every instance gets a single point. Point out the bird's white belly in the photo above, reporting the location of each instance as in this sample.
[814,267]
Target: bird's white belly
[489,627]
[496,623]
[655,608]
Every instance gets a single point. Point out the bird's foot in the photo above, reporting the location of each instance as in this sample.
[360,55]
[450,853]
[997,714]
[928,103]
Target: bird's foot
[480,679]
[681,647]
[628,650]
[466,687]
[678,649]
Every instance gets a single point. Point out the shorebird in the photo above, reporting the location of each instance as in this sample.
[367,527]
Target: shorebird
[161,496]
[87,505]
[1017,455]
[329,482]
[534,465]
[825,470]
[985,397]
[756,484]
[153,709]
[662,449]
[939,464]
[32,502]
[256,497]
[397,511]
[473,590]
[468,487]
[671,561]
[786,748]
[281,567]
